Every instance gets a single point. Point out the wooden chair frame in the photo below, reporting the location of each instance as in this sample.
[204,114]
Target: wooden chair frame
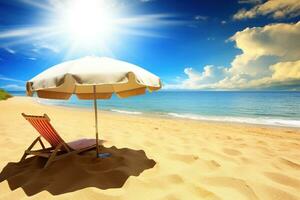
[52,154]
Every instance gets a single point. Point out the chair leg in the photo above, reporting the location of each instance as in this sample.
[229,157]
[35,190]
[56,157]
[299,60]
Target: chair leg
[41,143]
[29,148]
[24,156]
[52,156]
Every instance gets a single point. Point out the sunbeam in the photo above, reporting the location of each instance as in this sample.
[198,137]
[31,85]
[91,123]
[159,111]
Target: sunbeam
[88,26]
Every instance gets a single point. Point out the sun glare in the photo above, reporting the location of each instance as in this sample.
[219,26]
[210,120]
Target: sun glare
[86,26]
[87,21]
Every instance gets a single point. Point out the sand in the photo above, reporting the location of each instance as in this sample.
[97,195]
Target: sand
[152,158]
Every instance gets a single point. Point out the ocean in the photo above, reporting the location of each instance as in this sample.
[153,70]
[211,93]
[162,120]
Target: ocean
[268,108]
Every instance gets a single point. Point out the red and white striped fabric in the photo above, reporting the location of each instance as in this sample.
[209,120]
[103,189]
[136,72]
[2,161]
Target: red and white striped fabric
[43,126]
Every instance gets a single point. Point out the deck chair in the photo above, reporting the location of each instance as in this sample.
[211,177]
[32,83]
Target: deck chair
[59,148]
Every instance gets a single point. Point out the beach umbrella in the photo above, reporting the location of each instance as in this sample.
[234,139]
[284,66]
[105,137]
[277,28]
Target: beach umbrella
[92,78]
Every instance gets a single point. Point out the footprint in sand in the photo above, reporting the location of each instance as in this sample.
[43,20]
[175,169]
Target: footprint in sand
[149,144]
[239,185]
[283,179]
[195,192]
[174,179]
[293,145]
[229,138]
[262,142]
[170,197]
[247,160]
[267,192]
[186,158]
[218,155]
[202,193]
[207,166]
[213,164]
[231,152]
[241,145]
[289,163]
[239,139]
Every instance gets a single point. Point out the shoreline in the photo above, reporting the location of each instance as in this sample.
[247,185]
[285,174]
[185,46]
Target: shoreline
[170,116]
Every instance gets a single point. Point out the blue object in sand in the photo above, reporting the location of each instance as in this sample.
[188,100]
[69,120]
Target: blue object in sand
[104,155]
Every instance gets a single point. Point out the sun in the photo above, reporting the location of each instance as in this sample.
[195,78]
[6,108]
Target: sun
[86,27]
[87,21]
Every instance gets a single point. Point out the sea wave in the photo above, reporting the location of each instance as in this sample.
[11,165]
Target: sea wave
[247,120]
[263,120]
[127,112]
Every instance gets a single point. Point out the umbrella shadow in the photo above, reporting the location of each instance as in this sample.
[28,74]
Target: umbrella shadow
[76,172]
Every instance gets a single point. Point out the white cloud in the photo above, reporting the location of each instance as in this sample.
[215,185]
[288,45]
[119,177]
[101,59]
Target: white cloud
[211,38]
[200,17]
[39,46]
[4,78]
[277,9]
[13,87]
[9,50]
[38,4]
[286,70]
[223,22]
[198,80]
[270,59]
[11,39]
[21,32]
[151,20]
[249,1]
[263,45]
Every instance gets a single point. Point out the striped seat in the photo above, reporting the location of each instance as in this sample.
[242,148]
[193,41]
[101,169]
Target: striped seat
[59,148]
[43,126]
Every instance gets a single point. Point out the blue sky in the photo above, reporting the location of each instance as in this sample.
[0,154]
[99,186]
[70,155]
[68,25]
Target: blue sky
[191,44]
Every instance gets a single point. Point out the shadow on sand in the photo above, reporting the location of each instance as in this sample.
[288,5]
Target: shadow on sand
[76,172]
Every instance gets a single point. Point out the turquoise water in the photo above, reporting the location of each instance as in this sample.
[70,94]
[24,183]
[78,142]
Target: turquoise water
[272,108]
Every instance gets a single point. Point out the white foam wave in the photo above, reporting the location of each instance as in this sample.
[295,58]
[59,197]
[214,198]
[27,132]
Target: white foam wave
[127,112]
[44,101]
[248,120]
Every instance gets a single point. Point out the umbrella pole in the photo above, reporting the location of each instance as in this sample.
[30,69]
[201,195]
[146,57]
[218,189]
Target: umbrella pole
[96,120]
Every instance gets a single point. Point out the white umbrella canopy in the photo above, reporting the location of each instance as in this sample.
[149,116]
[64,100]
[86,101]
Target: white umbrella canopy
[92,78]
[80,76]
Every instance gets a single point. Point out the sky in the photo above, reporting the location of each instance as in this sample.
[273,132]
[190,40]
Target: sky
[190,44]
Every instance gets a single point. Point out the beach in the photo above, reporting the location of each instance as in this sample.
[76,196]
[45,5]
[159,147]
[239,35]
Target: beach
[186,159]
